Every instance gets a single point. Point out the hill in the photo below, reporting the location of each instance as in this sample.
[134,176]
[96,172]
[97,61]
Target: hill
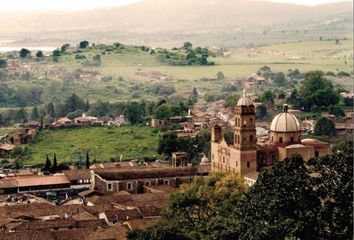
[168,22]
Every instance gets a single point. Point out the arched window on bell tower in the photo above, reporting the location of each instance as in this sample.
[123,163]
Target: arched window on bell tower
[251,139]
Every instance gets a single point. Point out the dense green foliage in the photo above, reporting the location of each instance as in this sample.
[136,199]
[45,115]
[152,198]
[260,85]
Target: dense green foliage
[294,200]
[83,44]
[316,90]
[186,55]
[169,143]
[324,127]
[261,111]
[336,110]
[3,63]
[25,53]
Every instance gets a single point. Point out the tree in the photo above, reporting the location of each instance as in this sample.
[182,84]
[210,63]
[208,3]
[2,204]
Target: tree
[279,79]
[72,104]
[83,44]
[268,98]
[324,127]
[231,101]
[56,53]
[336,110]
[167,144]
[39,54]
[335,188]
[261,111]
[205,209]
[55,164]
[187,45]
[47,165]
[21,115]
[220,76]
[163,111]
[3,63]
[194,96]
[348,101]
[35,114]
[25,53]
[50,110]
[282,204]
[87,160]
[134,112]
[64,48]
[316,90]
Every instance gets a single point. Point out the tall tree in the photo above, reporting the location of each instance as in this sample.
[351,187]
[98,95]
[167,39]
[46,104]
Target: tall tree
[48,164]
[35,114]
[324,127]
[55,164]
[316,90]
[282,204]
[87,160]
[335,188]
[50,110]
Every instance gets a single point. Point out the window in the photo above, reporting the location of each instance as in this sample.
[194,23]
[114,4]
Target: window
[251,139]
[251,122]
[272,139]
[223,159]
[248,164]
[236,163]
[212,156]
[147,183]
[317,154]
[129,186]
[238,139]
[244,122]
[166,182]
[280,139]
[109,187]
[291,139]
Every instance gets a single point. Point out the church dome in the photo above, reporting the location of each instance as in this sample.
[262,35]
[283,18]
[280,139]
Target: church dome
[245,100]
[285,122]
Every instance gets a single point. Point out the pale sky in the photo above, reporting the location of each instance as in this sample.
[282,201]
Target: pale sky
[11,5]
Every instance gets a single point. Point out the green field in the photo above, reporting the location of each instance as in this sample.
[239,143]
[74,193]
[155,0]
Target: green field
[104,144]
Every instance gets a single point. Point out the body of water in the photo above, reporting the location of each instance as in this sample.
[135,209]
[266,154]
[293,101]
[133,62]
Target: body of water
[14,48]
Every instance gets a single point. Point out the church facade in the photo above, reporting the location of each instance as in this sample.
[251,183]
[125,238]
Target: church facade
[245,156]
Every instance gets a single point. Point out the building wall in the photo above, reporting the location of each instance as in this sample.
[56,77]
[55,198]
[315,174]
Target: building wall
[136,185]
[274,137]
[306,152]
[229,159]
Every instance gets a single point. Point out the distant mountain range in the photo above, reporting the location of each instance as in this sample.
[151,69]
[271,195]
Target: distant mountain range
[152,20]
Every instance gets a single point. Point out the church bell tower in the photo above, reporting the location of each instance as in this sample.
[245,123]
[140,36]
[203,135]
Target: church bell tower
[245,124]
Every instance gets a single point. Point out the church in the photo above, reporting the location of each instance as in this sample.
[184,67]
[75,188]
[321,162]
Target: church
[246,157]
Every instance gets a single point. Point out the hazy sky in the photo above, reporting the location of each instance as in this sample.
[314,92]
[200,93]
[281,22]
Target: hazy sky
[9,5]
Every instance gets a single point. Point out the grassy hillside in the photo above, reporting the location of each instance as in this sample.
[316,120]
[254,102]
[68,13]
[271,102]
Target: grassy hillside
[125,73]
[103,143]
